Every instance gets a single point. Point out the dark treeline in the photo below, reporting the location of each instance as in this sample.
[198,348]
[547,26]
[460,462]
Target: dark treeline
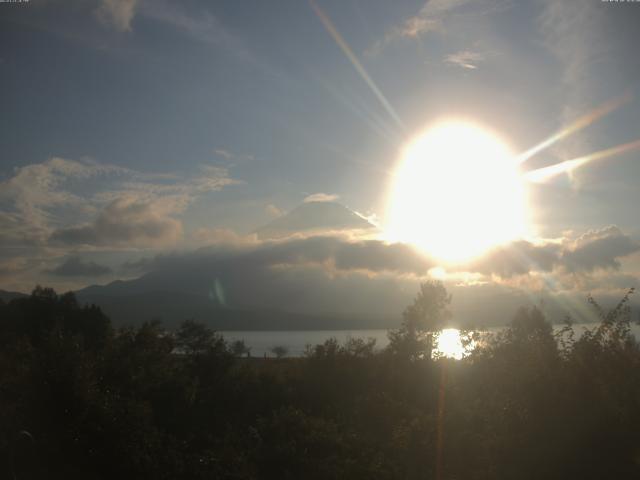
[80,399]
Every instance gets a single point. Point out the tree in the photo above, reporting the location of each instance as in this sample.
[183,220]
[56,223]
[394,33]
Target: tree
[196,338]
[280,351]
[427,314]
[239,348]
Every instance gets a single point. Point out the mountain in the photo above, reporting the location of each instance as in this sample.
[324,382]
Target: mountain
[238,291]
[7,296]
[173,307]
[313,217]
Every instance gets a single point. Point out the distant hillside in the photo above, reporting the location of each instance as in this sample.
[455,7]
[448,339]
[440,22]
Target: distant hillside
[7,296]
[313,216]
[173,307]
[235,292]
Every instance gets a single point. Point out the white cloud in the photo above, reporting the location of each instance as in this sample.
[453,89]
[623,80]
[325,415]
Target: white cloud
[232,157]
[117,14]
[273,211]
[221,152]
[30,195]
[60,194]
[126,222]
[321,197]
[432,17]
[468,59]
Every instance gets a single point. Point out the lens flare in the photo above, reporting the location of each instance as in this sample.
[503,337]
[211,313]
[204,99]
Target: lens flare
[577,125]
[543,174]
[346,49]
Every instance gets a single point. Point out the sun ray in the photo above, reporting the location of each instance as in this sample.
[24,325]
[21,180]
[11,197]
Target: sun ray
[577,125]
[541,175]
[344,46]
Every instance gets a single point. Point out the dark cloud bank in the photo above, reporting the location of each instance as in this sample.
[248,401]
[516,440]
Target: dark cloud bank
[76,267]
[365,282]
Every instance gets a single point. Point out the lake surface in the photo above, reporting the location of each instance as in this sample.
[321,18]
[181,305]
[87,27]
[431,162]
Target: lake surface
[261,342]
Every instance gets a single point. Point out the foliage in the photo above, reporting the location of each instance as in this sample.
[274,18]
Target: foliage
[280,351]
[81,400]
[428,313]
[240,349]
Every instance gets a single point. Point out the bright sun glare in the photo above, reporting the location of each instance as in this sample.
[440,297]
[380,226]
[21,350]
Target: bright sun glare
[449,344]
[456,193]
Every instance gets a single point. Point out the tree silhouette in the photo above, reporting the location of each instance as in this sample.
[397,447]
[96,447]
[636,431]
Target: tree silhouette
[239,348]
[428,313]
[280,351]
[143,402]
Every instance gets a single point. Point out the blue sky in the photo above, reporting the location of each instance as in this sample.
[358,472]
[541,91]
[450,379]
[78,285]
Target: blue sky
[198,119]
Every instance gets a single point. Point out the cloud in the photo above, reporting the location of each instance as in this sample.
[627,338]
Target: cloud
[517,258]
[592,43]
[321,197]
[117,14]
[125,222]
[219,236]
[76,267]
[360,278]
[467,59]
[376,256]
[47,208]
[309,275]
[336,253]
[29,196]
[43,198]
[232,158]
[273,211]
[201,26]
[595,250]
[431,18]
[599,249]
[223,153]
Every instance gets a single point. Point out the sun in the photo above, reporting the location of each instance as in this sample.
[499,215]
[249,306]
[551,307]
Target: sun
[457,192]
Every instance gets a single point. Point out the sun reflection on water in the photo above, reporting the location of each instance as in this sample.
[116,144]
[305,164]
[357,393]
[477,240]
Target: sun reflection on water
[451,343]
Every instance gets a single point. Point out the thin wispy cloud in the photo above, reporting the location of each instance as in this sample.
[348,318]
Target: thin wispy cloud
[467,59]
[321,197]
[574,32]
[436,17]
[204,27]
[273,211]
[431,18]
[117,14]
[232,158]
[221,152]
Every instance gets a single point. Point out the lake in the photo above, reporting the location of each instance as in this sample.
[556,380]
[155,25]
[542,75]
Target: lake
[295,341]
